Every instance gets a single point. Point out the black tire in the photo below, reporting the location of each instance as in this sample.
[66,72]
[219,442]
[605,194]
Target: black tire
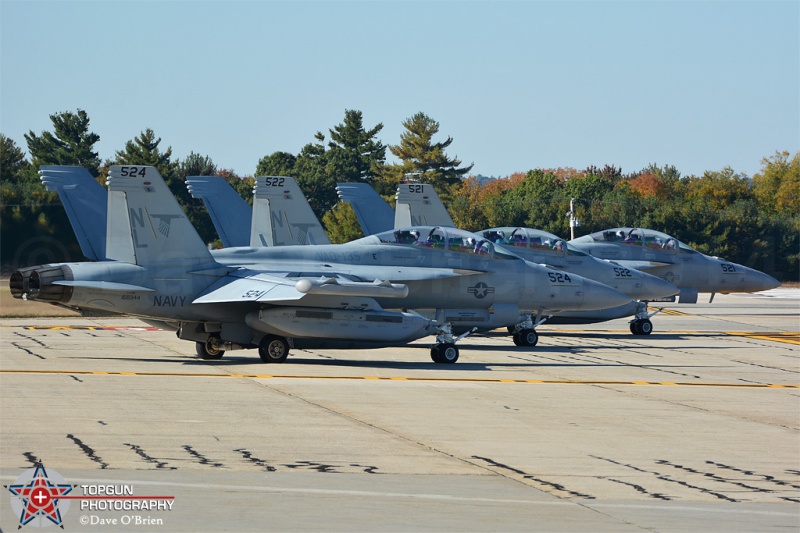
[635,327]
[448,353]
[435,354]
[207,350]
[273,349]
[645,327]
[526,337]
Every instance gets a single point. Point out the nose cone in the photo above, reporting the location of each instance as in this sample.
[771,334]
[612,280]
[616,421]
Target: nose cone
[756,281]
[654,288]
[599,296]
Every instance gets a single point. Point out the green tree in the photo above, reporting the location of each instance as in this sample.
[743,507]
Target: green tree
[354,152]
[313,178]
[422,159]
[33,225]
[13,165]
[341,224]
[197,165]
[777,185]
[70,144]
[276,164]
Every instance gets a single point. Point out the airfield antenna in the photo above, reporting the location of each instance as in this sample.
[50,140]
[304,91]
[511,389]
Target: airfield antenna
[573,222]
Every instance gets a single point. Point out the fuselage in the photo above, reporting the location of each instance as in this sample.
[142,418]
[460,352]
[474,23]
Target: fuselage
[671,260]
[545,248]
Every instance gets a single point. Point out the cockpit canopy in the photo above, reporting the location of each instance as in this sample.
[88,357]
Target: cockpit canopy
[642,237]
[528,238]
[440,239]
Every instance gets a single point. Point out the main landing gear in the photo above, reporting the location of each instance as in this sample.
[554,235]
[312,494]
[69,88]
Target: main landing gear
[445,350]
[524,333]
[641,325]
[211,349]
[273,349]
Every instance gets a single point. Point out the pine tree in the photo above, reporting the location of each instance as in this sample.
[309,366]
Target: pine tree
[70,145]
[423,160]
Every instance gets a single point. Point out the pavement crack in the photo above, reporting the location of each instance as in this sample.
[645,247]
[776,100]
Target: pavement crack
[90,453]
[203,460]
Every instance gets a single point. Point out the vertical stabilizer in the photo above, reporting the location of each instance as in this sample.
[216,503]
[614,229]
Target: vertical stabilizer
[85,202]
[282,216]
[372,211]
[145,223]
[419,205]
[229,212]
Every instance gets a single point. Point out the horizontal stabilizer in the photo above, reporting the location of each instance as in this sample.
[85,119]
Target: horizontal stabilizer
[376,289]
[373,213]
[85,202]
[104,285]
[229,213]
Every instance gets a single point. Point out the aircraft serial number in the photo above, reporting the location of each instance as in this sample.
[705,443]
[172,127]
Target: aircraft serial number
[415,189]
[131,297]
[558,277]
[274,182]
[728,268]
[622,272]
[132,171]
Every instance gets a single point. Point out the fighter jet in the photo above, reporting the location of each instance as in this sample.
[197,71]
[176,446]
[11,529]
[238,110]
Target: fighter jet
[668,258]
[417,202]
[351,295]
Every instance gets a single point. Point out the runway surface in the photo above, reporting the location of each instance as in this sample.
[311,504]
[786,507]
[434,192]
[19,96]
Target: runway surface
[695,427]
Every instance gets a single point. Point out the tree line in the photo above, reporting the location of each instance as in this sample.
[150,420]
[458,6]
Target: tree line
[750,220]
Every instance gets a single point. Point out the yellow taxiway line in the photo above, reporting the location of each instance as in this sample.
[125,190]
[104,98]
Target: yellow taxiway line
[396,378]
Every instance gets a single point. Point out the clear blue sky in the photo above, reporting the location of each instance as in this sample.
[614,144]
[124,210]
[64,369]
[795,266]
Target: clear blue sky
[518,85]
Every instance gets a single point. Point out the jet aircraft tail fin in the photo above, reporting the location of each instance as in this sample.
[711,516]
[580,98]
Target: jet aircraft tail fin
[419,205]
[229,212]
[373,213]
[282,216]
[146,225]
[85,202]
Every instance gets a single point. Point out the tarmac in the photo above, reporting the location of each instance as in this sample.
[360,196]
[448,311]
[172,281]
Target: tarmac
[693,428]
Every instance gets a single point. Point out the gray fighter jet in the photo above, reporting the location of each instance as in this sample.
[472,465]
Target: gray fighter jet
[418,202]
[351,295]
[664,256]
[419,205]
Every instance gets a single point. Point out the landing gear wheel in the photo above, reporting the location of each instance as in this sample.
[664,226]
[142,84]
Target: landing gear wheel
[273,349]
[641,326]
[446,353]
[209,350]
[526,337]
